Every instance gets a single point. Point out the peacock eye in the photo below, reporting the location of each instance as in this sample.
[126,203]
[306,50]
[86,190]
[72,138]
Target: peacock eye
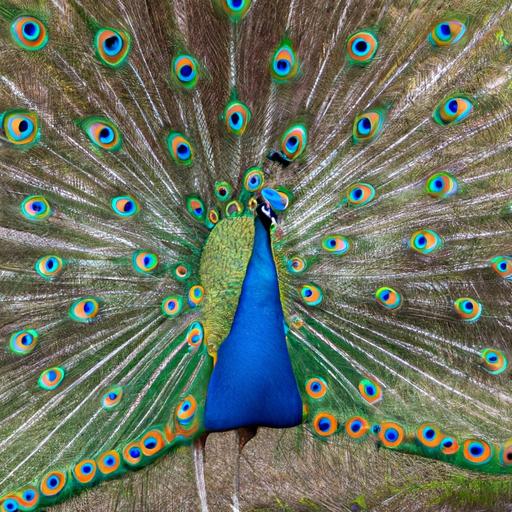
[284,65]
[112,46]
[29,497]
[370,391]
[293,141]
[236,117]
[506,453]
[125,206]
[52,483]
[195,295]
[357,427]
[195,335]
[223,191]
[449,446]
[186,410]
[172,306]
[20,127]
[360,194]
[296,265]
[325,424]
[49,267]
[51,378]
[429,435]
[362,47]
[144,262]
[367,126]
[477,451]
[311,294]
[452,110]
[102,132]
[336,244]
[23,342]
[447,33]
[180,148]
[196,208]
[29,33]
[184,70]
[254,179]
[84,310]
[35,208]
[502,265]
[316,387]
[425,241]
[468,309]
[494,360]
[85,471]
[388,297]
[112,397]
[391,434]
[441,185]
[234,9]
[277,199]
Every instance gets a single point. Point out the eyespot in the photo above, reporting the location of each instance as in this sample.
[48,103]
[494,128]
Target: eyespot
[181,271]
[172,305]
[28,497]
[311,294]
[391,434]
[360,194]
[316,387]
[234,208]
[254,179]
[449,446]
[236,117]
[29,33]
[195,295]
[388,297]
[452,110]
[195,207]
[84,310]
[10,503]
[234,9]
[132,454]
[468,309]
[357,427]
[184,69]
[35,208]
[477,451]
[325,424]
[20,127]
[502,265]
[52,483]
[223,191]
[112,398]
[278,201]
[284,65]
[494,360]
[186,410]
[212,218]
[336,244]
[102,132]
[125,206]
[367,126]
[180,148]
[441,185]
[108,462]
[429,435]
[144,262]
[425,241]
[195,335]
[370,391]
[112,46]
[51,378]
[293,141]
[362,47]
[85,471]
[506,453]
[23,342]
[49,267]
[447,33]
[152,442]
[296,265]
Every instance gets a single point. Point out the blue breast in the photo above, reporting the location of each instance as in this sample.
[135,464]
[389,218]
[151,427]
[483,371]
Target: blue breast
[253,383]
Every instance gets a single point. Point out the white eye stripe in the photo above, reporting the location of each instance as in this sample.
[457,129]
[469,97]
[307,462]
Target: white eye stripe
[266,211]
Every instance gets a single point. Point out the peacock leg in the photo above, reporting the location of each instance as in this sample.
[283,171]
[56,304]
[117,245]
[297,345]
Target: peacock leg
[244,435]
[199,445]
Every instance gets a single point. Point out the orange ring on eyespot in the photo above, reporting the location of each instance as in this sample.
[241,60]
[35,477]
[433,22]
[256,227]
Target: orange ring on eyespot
[195,295]
[357,427]
[195,335]
[17,32]
[429,435]
[449,445]
[10,502]
[462,309]
[300,135]
[391,434]
[316,387]
[359,194]
[181,271]
[311,294]
[296,265]
[462,106]
[370,391]
[132,453]
[85,471]
[325,424]
[95,130]
[477,451]
[152,442]
[106,33]
[108,462]
[172,305]
[52,483]
[28,497]
[369,39]
[213,216]
[506,453]
[186,409]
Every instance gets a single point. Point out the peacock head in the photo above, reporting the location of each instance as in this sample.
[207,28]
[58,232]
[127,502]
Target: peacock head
[265,213]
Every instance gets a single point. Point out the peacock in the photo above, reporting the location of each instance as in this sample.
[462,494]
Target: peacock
[223,215]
